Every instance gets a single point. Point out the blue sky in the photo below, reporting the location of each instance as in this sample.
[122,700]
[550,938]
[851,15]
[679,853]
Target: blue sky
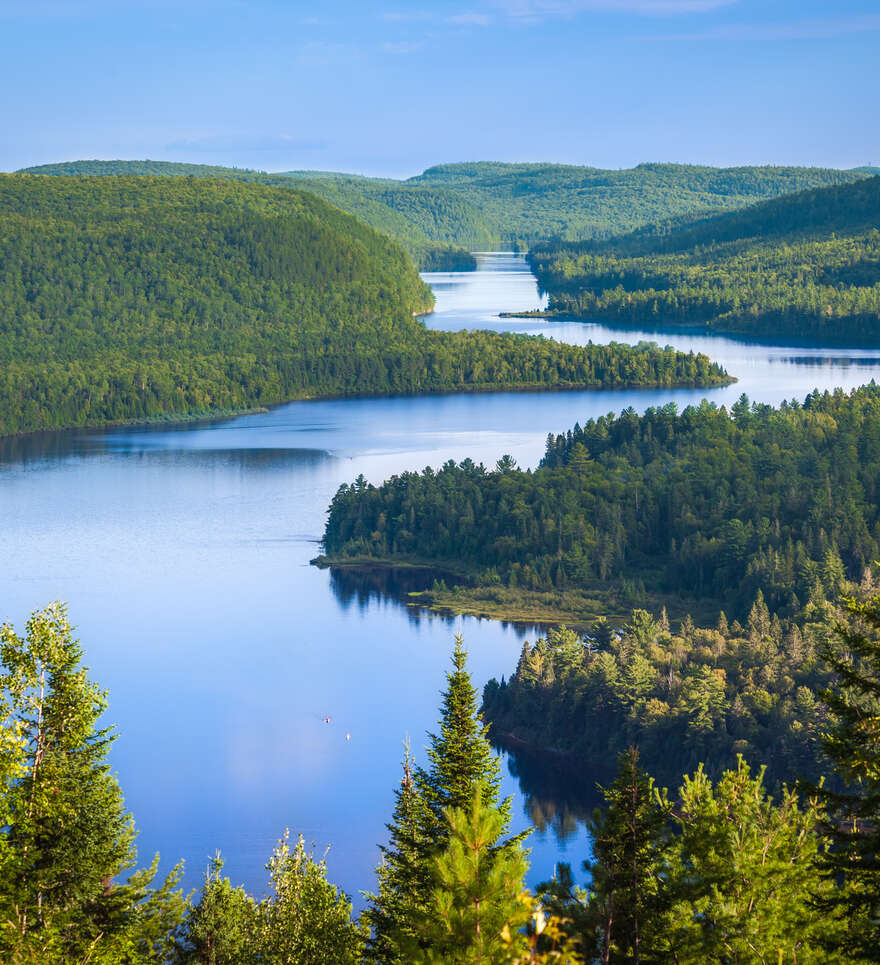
[392,87]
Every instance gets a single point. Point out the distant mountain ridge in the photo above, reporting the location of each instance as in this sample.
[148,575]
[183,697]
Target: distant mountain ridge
[478,205]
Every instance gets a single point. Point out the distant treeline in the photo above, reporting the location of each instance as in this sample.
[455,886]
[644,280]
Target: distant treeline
[702,504]
[806,264]
[137,298]
[495,205]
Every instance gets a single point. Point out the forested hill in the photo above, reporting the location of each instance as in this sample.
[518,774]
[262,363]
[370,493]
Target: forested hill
[491,205]
[702,506]
[805,264]
[135,298]
[425,223]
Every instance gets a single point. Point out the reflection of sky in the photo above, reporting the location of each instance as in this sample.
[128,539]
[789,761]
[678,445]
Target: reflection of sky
[184,553]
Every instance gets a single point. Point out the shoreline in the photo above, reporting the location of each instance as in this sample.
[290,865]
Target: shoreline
[482,388]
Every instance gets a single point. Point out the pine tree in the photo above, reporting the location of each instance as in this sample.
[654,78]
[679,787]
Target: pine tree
[742,873]
[478,895]
[627,847]
[221,927]
[853,745]
[67,835]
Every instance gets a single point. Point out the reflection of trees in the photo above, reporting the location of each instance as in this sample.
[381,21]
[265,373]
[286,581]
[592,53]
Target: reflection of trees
[363,585]
[557,795]
[385,584]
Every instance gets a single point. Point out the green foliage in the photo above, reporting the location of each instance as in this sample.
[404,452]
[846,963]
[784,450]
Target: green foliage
[700,696]
[404,876]
[701,504]
[139,298]
[487,205]
[627,864]
[476,898]
[66,835]
[221,927]
[306,921]
[742,872]
[461,765]
[807,264]
[853,745]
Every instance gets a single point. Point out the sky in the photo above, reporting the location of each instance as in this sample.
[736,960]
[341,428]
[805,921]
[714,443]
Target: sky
[390,88]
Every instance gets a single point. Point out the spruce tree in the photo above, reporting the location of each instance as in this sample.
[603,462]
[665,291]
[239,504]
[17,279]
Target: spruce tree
[404,874]
[628,840]
[461,760]
[853,745]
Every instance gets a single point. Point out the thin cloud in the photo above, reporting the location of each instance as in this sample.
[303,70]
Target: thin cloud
[536,10]
[817,29]
[212,143]
[465,18]
[402,47]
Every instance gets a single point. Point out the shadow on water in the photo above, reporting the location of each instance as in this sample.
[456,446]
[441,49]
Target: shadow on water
[392,585]
[558,795]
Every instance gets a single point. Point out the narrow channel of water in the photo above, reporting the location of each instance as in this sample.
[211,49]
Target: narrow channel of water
[184,555]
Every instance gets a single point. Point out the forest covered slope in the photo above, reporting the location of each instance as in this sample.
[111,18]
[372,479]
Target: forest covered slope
[136,298]
[700,505]
[474,206]
[804,264]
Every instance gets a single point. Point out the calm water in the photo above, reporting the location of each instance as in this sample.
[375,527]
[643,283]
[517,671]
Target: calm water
[184,556]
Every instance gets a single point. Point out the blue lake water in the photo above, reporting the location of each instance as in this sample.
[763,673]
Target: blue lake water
[184,555]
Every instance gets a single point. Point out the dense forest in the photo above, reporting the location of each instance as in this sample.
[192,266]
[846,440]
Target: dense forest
[807,264]
[720,871]
[697,695]
[447,209]
[136,298]
[700,504]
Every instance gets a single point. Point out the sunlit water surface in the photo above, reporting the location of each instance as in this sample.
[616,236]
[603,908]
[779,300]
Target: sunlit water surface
[184,555]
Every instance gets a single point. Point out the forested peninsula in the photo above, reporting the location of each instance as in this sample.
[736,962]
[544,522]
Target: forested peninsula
[442,214]
[807,264]
[697,510]
[125,299]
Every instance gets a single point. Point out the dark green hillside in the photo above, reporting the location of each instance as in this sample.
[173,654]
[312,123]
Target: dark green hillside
[403,218]
[694,506]
[136,298]
[805,264]
[491,205]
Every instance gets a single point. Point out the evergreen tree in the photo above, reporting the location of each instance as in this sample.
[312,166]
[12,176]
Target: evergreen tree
[461,765]
[478,895]
[853,745]
[627,867]
[221,927]
[404,874]
[461,758]
[743,875]
[67,835]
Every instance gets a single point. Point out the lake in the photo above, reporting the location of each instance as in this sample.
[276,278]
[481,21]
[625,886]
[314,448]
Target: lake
[184,552]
